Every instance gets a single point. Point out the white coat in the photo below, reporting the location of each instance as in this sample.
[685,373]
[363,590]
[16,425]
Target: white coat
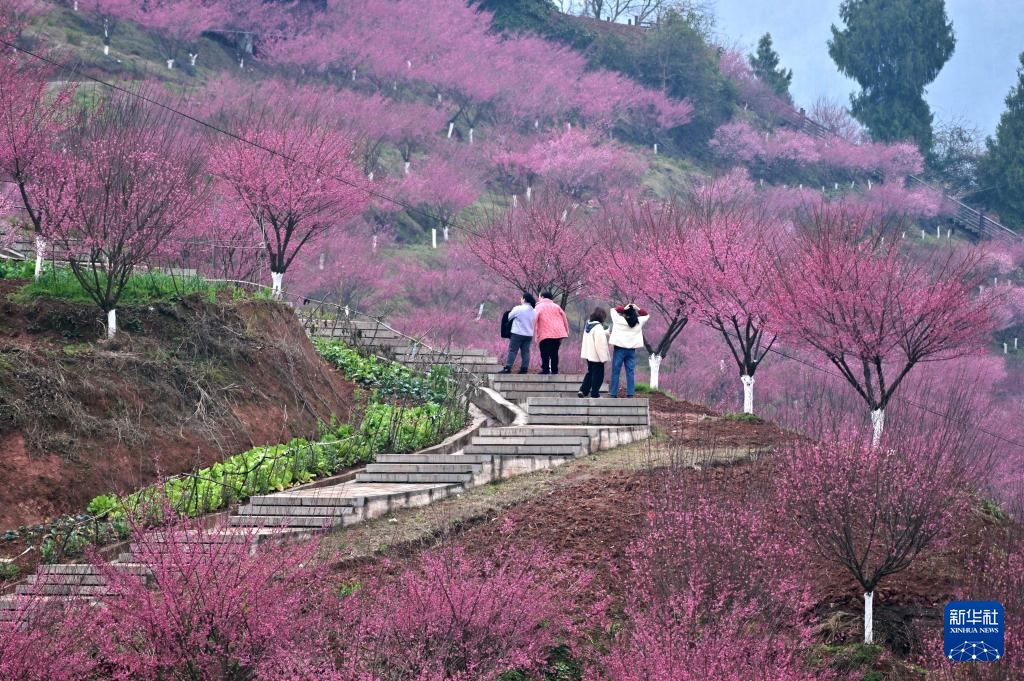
[595,343]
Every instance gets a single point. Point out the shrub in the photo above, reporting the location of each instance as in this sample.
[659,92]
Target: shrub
[456,617]
[211,607]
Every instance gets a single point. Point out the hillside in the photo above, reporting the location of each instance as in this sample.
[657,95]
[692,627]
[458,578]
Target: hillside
[190,383]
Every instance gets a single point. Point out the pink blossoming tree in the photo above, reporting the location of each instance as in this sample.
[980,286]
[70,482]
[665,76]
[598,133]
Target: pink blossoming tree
[295,178]
[32,120]
[848,292]
[129,181]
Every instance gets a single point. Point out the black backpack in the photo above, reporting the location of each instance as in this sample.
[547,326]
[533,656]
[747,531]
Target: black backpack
[506,325]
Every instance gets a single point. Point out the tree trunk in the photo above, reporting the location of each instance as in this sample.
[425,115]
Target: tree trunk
[471,135]
[170,64]
[192,58]
[40,250]
[111,323]
[748,394]
[877,426]
[433,237]
[277,279]
[654,362]
[869,625]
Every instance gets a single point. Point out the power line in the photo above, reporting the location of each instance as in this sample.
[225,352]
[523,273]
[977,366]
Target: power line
[235,136]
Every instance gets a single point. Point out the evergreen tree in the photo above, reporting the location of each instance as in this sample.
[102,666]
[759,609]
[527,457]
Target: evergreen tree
[1002,169]
[893,49]
[765,63]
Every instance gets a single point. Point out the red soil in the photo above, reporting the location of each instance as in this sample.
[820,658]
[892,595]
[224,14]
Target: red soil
[184,385]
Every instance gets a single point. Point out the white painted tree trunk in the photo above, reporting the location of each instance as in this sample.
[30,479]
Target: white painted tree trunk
[444,232]
[407,167]
[655,148]
[877,426]
[323,257]
[748,394]
[373,244]
[370,176]
[471,135]
[654,362]
[451,129]
[515,200]
[74,5]
[106,50]
[869,625]
[276,279]
[192,56]
[40,251]
[480,312]
[241,62]
[529,193]
[433,238]
[111,323]
[353,75]
[170,64]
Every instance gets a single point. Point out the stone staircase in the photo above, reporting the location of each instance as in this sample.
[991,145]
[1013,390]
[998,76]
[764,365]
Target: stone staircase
[548,427]
[520,387]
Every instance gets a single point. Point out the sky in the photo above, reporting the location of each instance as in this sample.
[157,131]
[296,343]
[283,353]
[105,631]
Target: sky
[971,87]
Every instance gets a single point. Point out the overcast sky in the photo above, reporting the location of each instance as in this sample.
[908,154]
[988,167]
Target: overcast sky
[972,85]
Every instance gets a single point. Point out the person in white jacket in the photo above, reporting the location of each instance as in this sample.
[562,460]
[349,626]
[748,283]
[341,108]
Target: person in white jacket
[627,335]
[595,351]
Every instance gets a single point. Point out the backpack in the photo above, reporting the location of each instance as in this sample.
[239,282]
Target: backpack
[506,325]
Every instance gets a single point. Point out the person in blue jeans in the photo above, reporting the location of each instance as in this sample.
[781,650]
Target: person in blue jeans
[626,336]
[522,318]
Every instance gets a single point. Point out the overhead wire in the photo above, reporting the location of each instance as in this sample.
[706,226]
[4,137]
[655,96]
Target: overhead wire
[391,199]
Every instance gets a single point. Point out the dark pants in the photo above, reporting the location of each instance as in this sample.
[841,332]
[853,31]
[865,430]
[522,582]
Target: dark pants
[549,355]
[519,344]
[592,381]
[622,357]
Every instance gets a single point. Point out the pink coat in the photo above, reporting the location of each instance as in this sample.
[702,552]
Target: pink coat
[550,321]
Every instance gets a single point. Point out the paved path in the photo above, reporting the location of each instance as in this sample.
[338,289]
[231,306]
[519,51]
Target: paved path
[528,422]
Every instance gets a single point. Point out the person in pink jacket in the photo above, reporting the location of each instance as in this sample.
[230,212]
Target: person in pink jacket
[550,326]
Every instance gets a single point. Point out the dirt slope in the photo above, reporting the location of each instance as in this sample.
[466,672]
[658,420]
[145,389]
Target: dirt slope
[186,384]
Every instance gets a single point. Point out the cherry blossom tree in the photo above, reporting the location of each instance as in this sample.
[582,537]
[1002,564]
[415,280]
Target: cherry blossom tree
[732,275]
[633,246]
[350,270]
[873,510]
[32,120]
[130,180]
[846,291]
[441,190]
[539,245]
[296,179]
[575,163]
[177,24]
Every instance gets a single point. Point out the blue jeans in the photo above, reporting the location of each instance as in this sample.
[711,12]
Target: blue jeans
[622,356]
[519,344]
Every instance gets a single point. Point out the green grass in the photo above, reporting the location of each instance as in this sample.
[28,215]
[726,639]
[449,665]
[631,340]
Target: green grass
[742,417]
[141,289]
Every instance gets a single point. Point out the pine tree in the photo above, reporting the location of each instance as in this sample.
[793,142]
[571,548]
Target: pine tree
[893,49]
[1002,170]
[766,67]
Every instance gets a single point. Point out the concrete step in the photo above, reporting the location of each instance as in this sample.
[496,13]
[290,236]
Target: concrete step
[311,498]
[590,402]
[69,580]
[583,409]
[296,510]
[416,478]
[526,450]
[59,590]
[310,521]
[536,431]
[517,378]
[549,439]
[586,420]
[426,467]
[433,458]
